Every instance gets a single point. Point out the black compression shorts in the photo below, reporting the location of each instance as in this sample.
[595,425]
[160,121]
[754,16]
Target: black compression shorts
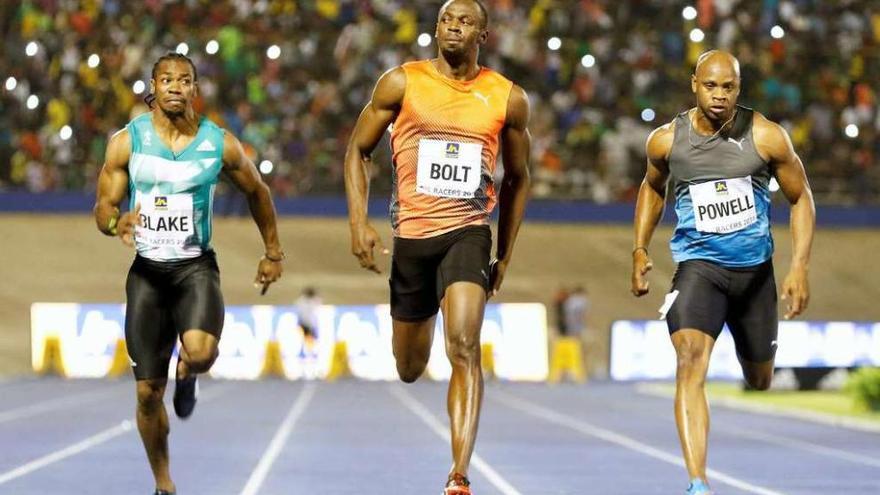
[745,298]
[165,299]
[422,269]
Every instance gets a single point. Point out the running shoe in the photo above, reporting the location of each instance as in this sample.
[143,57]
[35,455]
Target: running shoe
[186,392]
[163,492]
[698,487]
[458,484]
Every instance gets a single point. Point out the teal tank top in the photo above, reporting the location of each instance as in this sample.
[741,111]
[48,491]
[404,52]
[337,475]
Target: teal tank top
[175,190]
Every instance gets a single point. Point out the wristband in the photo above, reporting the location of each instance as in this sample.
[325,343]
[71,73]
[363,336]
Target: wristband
[275,260]
[642,248]
[111,225]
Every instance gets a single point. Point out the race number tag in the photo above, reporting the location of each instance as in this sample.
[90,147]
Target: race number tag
[449,169]
[724,206]
[167,219]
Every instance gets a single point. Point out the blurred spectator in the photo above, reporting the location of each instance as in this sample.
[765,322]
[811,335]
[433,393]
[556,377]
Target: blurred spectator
[575,310]
[74,72]
[307,306]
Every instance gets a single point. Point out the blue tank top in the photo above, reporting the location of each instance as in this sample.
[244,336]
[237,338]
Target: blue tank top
[175,190]
[722,196]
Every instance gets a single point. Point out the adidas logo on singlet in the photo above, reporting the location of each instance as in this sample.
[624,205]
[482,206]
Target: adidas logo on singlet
[206,146]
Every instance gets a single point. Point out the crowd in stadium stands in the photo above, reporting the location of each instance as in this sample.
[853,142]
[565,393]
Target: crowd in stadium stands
[622,68]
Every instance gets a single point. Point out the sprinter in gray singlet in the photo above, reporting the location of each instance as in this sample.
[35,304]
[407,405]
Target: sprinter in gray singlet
[168,161]
[721,158]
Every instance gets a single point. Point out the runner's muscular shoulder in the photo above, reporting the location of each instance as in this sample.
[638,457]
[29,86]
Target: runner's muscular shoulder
[659,144]
[389,91]
[118,152]
[518,109]
[771,140]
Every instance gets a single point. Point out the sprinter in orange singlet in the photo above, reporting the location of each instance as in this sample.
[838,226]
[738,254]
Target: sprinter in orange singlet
[449,116]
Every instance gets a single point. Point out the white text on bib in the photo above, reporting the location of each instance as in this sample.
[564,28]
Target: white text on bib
[723,206]
[167,219]
[449,169]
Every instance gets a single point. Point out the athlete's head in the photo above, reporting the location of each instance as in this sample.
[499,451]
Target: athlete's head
[174,84]
[716,84]
[462,26]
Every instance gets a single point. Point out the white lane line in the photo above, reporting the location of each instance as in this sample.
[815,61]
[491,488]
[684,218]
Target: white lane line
[826,419]
[793,443]
[442,431]
[31,410]
[610,436]
[278,441]
[92,441]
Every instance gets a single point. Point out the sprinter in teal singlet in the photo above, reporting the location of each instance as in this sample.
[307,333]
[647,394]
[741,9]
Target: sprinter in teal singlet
[721,158]
[168,162]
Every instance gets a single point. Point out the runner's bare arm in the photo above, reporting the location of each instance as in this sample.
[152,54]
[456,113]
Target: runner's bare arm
[516,145]
[650,203]
[242,172]
[774,145]
[372,123]
[112,183]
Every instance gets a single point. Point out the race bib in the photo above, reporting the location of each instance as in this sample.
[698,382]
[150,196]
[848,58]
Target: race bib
[449,169]
[723,206]
[167,219]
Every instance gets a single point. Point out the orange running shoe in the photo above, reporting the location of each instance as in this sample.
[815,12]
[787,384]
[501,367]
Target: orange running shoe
[457,484]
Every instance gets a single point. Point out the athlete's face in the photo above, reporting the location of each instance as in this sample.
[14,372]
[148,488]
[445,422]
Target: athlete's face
[460,27]
[716,84]
[174,86]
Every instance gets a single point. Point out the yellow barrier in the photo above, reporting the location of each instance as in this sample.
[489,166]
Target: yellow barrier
[487,358]
[121,363]
[567,356]
[52,361]
[339,362]
[273,364]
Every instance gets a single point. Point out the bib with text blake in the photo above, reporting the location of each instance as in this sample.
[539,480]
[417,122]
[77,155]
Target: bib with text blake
[449,169]
[723,206]
[167,219]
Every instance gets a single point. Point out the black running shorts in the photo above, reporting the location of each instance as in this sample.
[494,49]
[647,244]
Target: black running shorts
[422,269]
[165,299]
[745,298]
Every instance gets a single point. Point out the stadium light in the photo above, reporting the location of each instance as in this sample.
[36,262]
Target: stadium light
[11,83]
[697,35]
[182,48]
[424,40]
[66,133]
[648,115]
[689,13]
[31,49]
[33,102]
[852,131]
[554,43]
[588,60]
[773,185]
[266,167]
[212,47]
[777,32]
[94,60]
[138,87]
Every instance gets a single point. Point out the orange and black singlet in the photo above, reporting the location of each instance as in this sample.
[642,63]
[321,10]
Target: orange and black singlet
[444,144]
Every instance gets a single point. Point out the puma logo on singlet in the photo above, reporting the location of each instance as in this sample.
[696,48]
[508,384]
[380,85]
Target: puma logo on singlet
[206,146]
[481,97]
[738,143]
[148,138]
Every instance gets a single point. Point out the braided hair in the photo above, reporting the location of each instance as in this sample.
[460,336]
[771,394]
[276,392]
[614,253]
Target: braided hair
[150,98]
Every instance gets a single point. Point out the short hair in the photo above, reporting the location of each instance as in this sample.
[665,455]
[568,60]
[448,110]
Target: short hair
[175,56]
[483,11]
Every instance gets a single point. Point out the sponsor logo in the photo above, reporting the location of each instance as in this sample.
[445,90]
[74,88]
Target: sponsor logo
[206,146]
[481,97]
[452,150]
[160,202]
[721,187]
[738,143]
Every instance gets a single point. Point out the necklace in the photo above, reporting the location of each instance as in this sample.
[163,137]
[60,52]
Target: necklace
[702,146]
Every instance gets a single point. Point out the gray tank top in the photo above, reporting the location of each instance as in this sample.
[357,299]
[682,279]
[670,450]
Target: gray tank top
[722,198]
